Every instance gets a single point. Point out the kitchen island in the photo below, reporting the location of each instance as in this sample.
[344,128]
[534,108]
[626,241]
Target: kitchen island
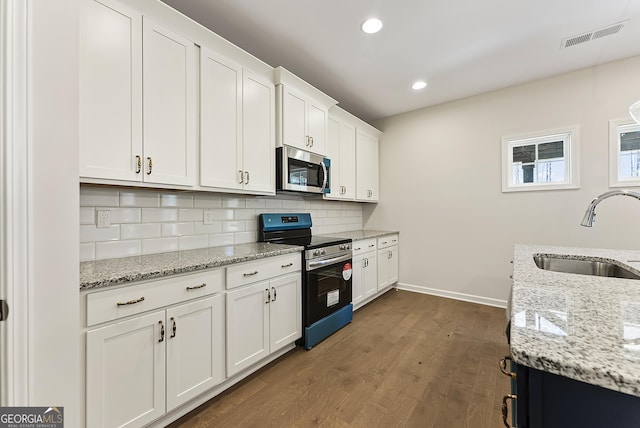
[575,340]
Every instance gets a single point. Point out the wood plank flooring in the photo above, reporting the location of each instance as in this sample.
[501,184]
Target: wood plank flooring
[406,360]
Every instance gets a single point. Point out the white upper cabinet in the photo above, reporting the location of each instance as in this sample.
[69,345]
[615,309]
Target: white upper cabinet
[110,91]
[137,98]
[169,106]
[341,150]
[366,167]
[237,141]
[303,113]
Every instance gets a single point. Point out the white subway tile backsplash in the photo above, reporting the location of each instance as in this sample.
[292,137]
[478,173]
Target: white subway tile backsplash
[90,233]
[245,237]
[159,245]
[193,242]
[114,249]
[125,215]
[87,215]
[140,231]
[178,200]
[154,221]
[87,252]
[207,200]
[191,214]
[140,198]
[178,229]
[99,197]
[159,215]
[233,226]
[230,202]
[220,239]
[200,229]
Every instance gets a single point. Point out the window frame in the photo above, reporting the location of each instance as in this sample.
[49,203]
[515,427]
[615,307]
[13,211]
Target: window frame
[614,153]
[571,138]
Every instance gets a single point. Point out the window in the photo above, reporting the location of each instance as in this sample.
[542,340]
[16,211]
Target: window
[624,153]
[542,161]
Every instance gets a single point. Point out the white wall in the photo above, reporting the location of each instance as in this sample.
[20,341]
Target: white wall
[52,190]
[440,179]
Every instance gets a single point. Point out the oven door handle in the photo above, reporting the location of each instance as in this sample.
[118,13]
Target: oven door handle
[316,264]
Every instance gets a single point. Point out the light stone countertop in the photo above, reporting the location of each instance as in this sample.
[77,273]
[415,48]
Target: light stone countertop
[103,273]
[358,235]
[579,326]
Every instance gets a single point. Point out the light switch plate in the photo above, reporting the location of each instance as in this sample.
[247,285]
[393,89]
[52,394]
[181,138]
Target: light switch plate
[103,219]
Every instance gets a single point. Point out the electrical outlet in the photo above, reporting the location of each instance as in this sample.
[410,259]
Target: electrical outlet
[103,219]
[208,217]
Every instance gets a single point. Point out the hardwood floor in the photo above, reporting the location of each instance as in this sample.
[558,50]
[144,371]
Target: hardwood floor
[406,360]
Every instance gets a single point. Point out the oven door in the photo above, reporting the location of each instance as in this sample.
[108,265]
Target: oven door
[328,287]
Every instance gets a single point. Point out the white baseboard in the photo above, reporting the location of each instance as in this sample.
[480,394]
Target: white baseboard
[453,295]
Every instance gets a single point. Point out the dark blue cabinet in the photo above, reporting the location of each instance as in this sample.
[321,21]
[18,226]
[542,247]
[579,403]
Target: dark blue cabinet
[546,400]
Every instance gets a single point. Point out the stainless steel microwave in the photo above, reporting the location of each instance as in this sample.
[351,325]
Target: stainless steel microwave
[301,171]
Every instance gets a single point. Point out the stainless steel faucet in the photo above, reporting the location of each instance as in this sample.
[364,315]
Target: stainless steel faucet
[590,214]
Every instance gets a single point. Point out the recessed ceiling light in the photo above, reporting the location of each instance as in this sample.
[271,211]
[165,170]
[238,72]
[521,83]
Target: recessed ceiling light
[419,85]
[372,25]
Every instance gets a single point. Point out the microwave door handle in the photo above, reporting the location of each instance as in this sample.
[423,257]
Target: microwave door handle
[325,177]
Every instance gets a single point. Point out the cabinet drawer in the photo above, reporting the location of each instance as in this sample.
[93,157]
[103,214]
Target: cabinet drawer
[246,273]
[387,241]
[363,246]
[109,305]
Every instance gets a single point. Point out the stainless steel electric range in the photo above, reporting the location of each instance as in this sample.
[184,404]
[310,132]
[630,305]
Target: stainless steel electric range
[326,279]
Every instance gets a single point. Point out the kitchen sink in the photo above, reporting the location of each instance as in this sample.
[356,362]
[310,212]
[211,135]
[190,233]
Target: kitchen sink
[583,266]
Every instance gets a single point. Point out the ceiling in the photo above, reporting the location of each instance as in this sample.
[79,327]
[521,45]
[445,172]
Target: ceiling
[460,48]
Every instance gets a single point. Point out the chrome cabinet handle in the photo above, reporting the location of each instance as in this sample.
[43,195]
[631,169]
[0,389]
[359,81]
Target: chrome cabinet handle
[240,176]
[195,287]
[250,273]
[275,294]
[503,367]
[311,141]
[173,329]
[161,332]
[247,180]
[150,162]
[138,164]
[505,408]
[268,296]
[307,143]
[130,302]
[287,265]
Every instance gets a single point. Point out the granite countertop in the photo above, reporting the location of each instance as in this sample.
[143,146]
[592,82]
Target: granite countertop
[102,273]
[358,235]
[579,326]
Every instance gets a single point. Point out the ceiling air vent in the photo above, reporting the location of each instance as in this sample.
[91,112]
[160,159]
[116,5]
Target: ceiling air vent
[592,35]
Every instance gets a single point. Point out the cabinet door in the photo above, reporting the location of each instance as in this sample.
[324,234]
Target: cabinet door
[195,349]
[221,122]
[317,127]
[126,372]
[371,275]
[366,168]
[169,106]
[357,279]
[247,326]
[348,161]
[333,153]
[110,91]
[258,134]
[294,118]
[383,268]
[285,311]
[393,262]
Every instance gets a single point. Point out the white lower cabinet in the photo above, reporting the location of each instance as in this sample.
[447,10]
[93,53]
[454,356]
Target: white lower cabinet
[262,318]
[156,358]
[387,261]
[364,282]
